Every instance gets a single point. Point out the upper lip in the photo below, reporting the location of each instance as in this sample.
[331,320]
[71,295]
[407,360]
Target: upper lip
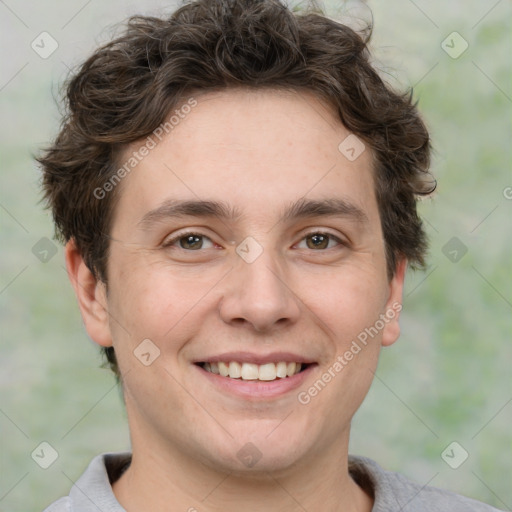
[249,357]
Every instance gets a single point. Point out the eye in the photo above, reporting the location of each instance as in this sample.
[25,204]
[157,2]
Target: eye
[189,242]
[319,241]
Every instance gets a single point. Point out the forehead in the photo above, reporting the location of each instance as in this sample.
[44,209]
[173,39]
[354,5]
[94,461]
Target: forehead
[255,149]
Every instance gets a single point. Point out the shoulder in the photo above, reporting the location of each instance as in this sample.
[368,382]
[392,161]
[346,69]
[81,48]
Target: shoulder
[94,488]
[62,505]
[393,491]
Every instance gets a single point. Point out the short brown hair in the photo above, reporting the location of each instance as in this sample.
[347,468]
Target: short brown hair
[129,86]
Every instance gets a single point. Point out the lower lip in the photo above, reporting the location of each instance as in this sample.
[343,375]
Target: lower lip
[254,389]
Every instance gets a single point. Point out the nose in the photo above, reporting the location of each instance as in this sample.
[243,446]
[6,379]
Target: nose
[258,295]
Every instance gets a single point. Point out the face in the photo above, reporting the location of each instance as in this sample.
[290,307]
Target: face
[248,249]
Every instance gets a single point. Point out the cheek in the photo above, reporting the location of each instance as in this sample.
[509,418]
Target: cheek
[348,299]
[156,302]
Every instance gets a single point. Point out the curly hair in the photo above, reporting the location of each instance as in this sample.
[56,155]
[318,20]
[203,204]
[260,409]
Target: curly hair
[129,86]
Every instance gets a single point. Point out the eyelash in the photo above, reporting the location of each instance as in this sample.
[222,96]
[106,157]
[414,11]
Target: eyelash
[173,240]
[338,240]
[169,243]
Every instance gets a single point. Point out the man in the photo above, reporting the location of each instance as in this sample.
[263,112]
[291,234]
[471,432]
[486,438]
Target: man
[236,189]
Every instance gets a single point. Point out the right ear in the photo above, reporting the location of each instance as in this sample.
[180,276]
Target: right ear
[91,294]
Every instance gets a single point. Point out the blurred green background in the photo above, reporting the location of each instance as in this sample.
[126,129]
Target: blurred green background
[447,379]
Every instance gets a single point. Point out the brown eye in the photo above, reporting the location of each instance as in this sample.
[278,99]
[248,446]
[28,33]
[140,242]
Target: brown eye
[190,242]
[193,242]
[320,241]
[317,241]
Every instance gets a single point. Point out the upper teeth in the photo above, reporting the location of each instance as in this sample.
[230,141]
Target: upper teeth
[250,371]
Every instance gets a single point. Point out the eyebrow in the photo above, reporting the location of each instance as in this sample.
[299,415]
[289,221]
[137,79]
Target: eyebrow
[173,208]
[331,207]
[300,209]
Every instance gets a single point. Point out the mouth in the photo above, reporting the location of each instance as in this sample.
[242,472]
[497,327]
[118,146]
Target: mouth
[256,377]
[245,371]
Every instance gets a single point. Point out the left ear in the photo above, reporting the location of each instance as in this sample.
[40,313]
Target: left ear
[391,331]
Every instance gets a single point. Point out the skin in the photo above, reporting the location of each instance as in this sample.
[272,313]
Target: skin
[258,151]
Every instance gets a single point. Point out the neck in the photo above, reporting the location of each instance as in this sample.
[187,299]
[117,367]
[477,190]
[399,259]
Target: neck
[157,478]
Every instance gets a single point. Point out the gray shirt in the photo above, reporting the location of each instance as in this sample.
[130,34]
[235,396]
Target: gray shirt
[391,491]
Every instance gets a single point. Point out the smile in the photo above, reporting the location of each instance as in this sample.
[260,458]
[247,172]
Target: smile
[251,371]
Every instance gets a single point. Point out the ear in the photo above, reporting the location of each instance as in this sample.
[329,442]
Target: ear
[391,331]
[91,294]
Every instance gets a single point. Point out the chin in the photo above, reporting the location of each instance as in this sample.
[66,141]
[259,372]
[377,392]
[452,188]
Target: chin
[251,462]
[260,450]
